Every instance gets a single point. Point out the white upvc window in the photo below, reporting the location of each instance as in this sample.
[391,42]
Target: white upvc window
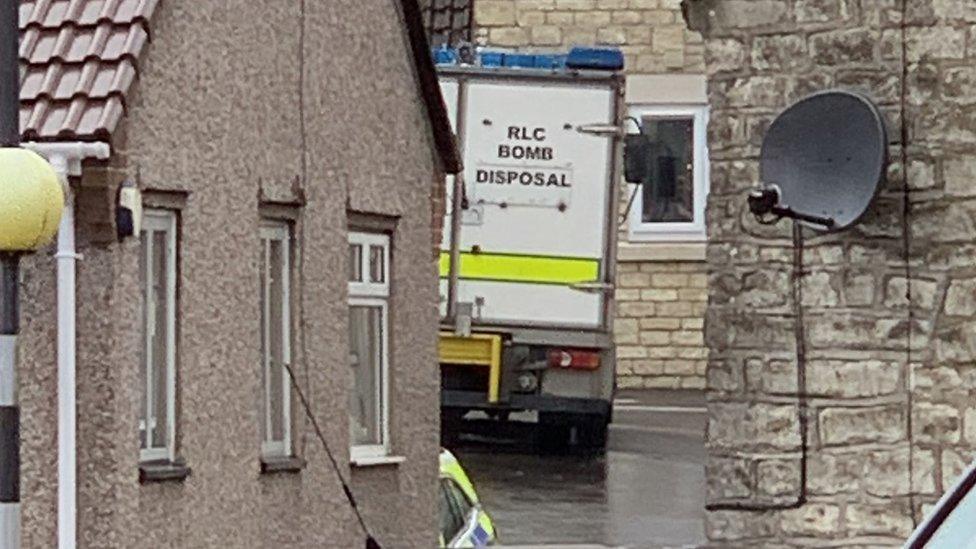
[157,274]
[673,208]
[369,353]
[275,267]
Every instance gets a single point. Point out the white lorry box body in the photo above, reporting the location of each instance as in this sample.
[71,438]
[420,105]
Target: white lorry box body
[539,199]
[533,287]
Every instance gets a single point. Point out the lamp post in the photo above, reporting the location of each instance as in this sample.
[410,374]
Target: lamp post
[31,200]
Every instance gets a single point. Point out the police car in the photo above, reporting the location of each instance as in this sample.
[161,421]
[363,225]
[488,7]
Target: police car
[463,523]
[950,523]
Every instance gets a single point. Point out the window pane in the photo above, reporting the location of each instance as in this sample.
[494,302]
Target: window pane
[670,195]
[377,264]
[276,300]
[451,522]
[365,340]
[159,341]
[143,351]
[461,500]
[355,263]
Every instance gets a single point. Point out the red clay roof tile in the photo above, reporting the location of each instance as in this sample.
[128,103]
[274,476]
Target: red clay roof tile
[78,61]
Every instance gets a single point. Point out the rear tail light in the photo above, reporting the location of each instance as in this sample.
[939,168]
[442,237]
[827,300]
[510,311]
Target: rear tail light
[574,359]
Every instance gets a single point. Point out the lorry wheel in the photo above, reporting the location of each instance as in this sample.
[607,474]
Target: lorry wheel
[552,433]
[451,422]
[592,432]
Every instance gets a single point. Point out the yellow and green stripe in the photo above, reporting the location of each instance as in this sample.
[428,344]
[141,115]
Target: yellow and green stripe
[526,269]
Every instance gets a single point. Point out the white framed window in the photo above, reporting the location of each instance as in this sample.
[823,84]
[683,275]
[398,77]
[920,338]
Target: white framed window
[157,275]
[275,268]
[673,208]
[369,356]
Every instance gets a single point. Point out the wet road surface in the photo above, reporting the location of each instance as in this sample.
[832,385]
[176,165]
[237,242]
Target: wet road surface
[646,492]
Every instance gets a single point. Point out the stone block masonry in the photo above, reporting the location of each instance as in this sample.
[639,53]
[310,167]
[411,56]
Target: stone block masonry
[888,306]
[651,33]
[659,325]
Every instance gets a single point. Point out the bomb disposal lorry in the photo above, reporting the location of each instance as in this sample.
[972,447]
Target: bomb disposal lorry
[528,260]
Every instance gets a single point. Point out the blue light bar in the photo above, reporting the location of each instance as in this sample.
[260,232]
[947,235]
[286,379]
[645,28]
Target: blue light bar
[605,59]
[445,56]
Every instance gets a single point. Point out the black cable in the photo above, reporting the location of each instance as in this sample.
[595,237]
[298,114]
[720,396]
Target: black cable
[371,542]
[630,204]
[799,331]
[906,242]
[304,167]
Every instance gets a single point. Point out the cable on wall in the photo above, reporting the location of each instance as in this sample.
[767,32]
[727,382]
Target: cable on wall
[907,249]
[800,350]
[371,542]
[799,334]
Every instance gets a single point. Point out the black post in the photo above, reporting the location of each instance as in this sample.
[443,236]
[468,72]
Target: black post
[9,306]
[9,74]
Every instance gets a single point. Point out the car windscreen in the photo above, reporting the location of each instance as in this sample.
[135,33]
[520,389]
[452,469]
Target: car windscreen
[951,524]
[958,530]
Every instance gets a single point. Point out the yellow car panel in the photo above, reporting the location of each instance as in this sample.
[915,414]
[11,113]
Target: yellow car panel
[462,518]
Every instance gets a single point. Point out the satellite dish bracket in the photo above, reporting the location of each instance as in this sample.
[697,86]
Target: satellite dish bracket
[764,200]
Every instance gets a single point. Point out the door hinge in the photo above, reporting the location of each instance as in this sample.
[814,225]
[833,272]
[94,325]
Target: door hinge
[594,287]
[606,130]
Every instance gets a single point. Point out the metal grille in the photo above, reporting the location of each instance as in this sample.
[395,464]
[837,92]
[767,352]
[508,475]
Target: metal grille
[447,21]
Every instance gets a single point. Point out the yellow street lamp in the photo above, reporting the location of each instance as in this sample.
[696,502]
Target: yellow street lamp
[31,200]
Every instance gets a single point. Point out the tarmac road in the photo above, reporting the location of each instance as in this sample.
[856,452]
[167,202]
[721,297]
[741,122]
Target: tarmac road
[646,492]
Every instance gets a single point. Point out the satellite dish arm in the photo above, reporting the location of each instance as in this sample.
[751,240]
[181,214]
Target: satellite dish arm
[766,200]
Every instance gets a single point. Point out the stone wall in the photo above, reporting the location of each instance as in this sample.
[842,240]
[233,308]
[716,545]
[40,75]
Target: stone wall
[888,306]
[651,33]
[660,295]
[658,328]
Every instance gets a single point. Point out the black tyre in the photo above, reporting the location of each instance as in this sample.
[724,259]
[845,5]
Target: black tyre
[452,421]
[552,433]
[592,433]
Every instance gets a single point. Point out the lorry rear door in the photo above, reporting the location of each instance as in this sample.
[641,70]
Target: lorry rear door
[538,199]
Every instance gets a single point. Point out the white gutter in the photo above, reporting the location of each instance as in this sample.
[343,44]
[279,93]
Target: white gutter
[66,159]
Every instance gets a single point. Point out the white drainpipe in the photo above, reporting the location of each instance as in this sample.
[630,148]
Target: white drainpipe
[66,159]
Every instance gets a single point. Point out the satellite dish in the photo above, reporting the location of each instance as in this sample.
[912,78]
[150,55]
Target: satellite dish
[823,161]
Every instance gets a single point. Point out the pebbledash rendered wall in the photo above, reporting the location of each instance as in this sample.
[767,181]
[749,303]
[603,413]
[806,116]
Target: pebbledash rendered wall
[661,284]
[888,307]
[215,122]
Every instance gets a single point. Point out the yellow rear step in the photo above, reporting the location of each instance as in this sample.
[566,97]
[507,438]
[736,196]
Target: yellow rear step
[475,350]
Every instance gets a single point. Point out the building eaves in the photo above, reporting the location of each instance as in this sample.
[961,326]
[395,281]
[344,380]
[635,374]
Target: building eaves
[430,90]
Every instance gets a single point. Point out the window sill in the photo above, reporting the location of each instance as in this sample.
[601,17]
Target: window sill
[282,464]
[661,251]
[375,461]
[163,471]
